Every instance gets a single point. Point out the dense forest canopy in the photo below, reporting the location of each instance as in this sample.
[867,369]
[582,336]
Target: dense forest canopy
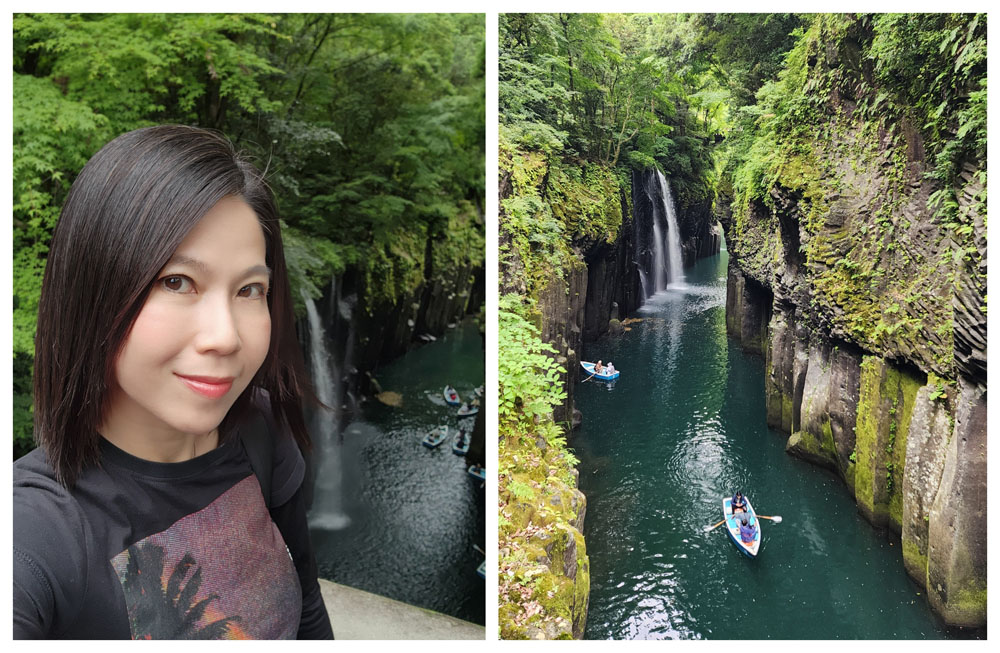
[370,127]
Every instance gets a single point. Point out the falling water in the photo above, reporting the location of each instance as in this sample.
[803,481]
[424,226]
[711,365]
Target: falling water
[675,273]
[659,269]
[327,511]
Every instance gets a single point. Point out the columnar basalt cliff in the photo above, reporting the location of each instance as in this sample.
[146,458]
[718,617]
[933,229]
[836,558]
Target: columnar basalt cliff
[377,311]
[870,313]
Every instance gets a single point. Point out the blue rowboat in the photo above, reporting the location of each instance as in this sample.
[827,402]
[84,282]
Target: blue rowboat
[604,376]
[435,437]
[450,396]
[733,527]
[468,409]
[460,446]
[477,472]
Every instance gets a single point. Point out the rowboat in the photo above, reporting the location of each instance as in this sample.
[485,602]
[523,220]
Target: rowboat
[477,471]
[604,376]
[468,409]
[481,569]
[460,446]
[450,396]
[435,437]
[733,527]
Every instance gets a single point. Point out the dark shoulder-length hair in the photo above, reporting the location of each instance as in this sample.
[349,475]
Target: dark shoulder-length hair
[125,215]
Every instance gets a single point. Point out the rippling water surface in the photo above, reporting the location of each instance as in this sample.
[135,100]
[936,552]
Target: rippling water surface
[683,426]
[413,514]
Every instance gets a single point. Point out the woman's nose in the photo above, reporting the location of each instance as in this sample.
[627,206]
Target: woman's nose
[218,328]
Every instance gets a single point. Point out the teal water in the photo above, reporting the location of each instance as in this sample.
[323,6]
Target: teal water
[412,515]
[683,426]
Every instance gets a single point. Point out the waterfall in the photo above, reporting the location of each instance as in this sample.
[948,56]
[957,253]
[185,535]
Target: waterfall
[675,271]
[327,510]
[662,255]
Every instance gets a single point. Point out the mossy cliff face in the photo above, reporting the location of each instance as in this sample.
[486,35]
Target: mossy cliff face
[544,575]
[869,308]
[418,284]
[565,242]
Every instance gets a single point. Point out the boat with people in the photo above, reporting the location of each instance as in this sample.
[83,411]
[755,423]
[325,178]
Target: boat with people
[602,375]
[468,409]
[451,396]
[460,446]
[477,471]
[750,547]
[435,437]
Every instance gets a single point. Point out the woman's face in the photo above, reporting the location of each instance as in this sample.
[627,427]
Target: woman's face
[203,331]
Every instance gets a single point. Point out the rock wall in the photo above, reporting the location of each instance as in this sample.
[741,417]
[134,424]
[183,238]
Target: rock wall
[364,332]
[869,305]
[911,446]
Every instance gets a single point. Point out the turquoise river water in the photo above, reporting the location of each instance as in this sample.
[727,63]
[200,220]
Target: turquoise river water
[683,426]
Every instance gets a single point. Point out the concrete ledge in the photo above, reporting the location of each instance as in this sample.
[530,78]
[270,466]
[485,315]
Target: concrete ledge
[356,614]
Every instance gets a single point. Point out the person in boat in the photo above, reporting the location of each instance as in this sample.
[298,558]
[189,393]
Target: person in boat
[610,369]
[166,339]
[599,368]
[739,503]
[747,530]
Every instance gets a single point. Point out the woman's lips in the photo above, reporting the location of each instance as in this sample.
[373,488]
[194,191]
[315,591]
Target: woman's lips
[208,386]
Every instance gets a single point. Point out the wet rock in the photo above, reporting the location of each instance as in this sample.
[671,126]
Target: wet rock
[956,556]
[926,449]
[390,398]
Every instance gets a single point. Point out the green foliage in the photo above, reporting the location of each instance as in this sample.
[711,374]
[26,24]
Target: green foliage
[611,88]
[528,376]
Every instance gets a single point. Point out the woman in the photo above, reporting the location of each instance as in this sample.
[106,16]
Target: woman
[165,348]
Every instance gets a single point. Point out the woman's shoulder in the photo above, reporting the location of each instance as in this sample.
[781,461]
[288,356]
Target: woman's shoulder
[41,502]
[287,463]
[51,539]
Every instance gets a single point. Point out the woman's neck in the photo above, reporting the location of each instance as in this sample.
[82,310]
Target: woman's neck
[155,442]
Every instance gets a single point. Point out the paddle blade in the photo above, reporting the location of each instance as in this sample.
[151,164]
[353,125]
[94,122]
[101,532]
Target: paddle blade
[776,519]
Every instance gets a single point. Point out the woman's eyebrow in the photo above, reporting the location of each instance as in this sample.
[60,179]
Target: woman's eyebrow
[180,259]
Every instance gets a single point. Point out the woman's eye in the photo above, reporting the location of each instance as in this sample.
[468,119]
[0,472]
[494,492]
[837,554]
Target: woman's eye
[176,283]
[253,291]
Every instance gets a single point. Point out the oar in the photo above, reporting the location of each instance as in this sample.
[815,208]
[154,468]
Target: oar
[709,529]
[588,378]
[776,519]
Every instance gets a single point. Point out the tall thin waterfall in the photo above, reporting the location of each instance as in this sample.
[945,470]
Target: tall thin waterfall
[675,269]
[659,269]
[328,508]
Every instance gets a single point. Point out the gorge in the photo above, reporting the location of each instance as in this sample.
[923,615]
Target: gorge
[856,271]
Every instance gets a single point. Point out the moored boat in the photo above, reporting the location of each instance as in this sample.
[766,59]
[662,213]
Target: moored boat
[733,527]
[477,471]
[435,437]
[604,376]
[460,446]
[450,396]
